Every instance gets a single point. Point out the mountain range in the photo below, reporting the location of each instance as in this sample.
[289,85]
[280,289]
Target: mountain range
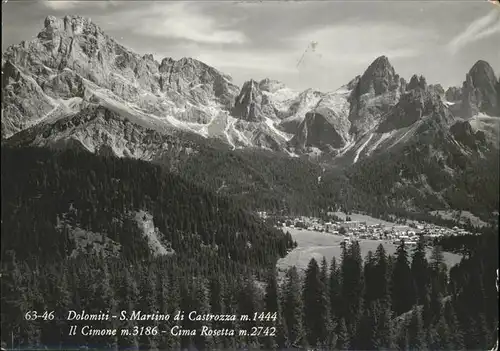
[75,86]
[130,184]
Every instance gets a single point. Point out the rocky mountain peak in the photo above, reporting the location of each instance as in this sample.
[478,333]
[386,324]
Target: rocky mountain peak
[353,83]
[482,68]
[379,78]
[69,25]
[49,21]
[479,91]
[250,85]
[167,61]
[381,62]
[72,63]
[148,57]
[437,89]
[72,42]
[189,61]
[270,85]
[326,126]
[267,81]
[250,90]
[187,72]
[413,106]
[185,63]
[376,91]
[247,103]
[453,94]
[463,132]
[73,58]
[417,82]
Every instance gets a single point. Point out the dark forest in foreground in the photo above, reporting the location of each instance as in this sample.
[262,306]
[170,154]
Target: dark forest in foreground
[223,254]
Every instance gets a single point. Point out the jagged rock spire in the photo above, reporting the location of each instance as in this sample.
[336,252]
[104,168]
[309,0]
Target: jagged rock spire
[417,82]
[479,91]
[379,78]
[247,104]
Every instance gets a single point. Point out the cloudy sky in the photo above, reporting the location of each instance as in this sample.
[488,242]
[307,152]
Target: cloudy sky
[318,44]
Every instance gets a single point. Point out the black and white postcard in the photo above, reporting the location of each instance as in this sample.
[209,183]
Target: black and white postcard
[250,175]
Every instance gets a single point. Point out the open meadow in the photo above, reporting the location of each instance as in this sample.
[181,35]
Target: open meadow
[316,244]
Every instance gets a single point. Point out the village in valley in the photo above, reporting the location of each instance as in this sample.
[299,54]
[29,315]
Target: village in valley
[365,227]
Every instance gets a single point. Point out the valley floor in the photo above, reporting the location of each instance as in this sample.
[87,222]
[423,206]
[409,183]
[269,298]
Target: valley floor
[312,244]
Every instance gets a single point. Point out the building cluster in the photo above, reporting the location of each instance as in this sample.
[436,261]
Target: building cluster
[410,233]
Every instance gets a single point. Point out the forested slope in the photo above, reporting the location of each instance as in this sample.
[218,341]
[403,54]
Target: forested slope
[96,193]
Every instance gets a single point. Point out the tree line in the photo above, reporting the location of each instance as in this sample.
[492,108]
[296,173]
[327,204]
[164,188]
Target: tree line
[381,302]
[224,263]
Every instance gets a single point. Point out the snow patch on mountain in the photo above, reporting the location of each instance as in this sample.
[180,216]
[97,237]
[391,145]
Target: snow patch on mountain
[462,149]
[488,124]
[314,152]
[338,101]
[72,64]
[380,140]
[291,154]
[270,123]
[132,112]
[281,98]
[362,147]
[404,134]
[228,136]
[302,104]
[237,137]
[350,144]
[214,128]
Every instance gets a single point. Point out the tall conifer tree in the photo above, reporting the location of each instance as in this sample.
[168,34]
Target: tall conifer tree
[402,282]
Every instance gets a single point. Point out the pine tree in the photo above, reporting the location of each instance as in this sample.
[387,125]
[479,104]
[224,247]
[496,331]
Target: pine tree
[230,302]
[439,269]
[316,316]
[292,309]
[281,338]
[381,274]
[416,332]
[457,341]
[427,314]
[366,332]
[403,342]
[165,289]
[335,291]
[385,339]
[483,332]
[431,338]
[443,335]
[435,300]
[352,286]
[420,272]
[402,283]
[104,301]
[15,301]
[126,292]
[216,303]
[324,271]
[437,258]
[371,279]
[249,304]
[326,301]
[343,337]
[187,304]
[63,303]
[31,335]
[202,306]
[271,305]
